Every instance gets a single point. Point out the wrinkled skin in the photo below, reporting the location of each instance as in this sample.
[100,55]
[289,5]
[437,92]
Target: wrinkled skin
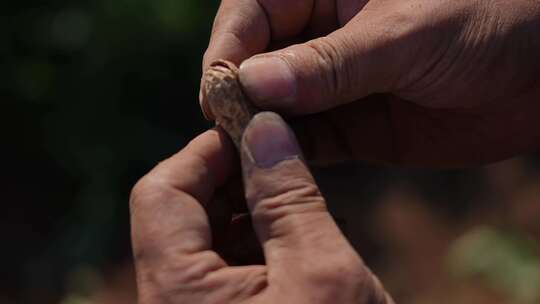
[307,259]
[457,81]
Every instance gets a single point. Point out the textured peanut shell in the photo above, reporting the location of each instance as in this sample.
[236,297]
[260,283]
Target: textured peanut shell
[224,96]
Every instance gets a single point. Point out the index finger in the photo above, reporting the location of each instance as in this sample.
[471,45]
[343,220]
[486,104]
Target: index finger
[244,28]
[241,29]
[167,205]
[171,231]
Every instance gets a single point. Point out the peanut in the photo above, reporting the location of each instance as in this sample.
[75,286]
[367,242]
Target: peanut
[222,93]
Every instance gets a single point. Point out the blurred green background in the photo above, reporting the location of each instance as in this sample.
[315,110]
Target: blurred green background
[95,93]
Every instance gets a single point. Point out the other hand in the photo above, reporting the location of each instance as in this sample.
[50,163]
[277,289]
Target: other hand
[307,259]
[456,82]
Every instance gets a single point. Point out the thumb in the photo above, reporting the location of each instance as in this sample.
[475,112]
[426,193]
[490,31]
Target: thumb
[362,58]
[289,214]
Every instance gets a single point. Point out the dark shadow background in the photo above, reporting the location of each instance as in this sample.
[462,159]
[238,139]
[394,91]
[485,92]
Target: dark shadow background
[94,93]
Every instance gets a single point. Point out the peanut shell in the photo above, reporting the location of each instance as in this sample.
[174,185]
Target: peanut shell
[229,105]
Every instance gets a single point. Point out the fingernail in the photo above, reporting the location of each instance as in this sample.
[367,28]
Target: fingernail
[268,81]
[269,140]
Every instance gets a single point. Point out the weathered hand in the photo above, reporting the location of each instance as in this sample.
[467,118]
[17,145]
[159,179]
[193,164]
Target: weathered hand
[308,260]
[458,80]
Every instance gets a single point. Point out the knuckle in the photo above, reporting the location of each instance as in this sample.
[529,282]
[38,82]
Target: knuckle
[147,190]
[254,282]
[346,269]
[175,280]
[345,275]
[294,196]
[192,270]
[297,206]
[334,73]
[140,190]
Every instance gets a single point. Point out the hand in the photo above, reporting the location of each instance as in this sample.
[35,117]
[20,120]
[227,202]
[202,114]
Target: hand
[308,260]
[458,80]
